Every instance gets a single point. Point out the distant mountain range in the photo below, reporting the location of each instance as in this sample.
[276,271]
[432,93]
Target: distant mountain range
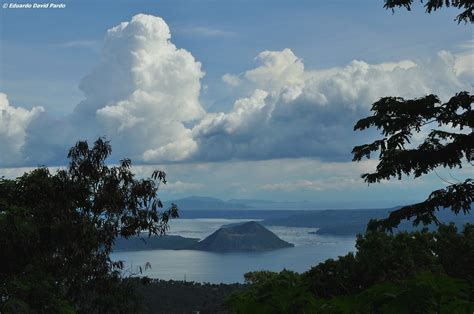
[211,203]
[206,203]
[339,222]
[352,222]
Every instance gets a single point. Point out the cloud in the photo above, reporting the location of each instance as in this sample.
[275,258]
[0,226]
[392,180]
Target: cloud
[297,179]
[144,96]
[144,89]
[175,151]
[280,73]
[334,183]
[140,95]
[293,112]
[180,186]
[464,63]
[230,79]
[204,31]
[14,122]
[82,43]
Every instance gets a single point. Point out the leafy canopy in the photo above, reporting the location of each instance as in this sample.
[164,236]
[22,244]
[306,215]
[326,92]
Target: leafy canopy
[450,143]
[57,232]
[407,272]
[466,6]
[399,119]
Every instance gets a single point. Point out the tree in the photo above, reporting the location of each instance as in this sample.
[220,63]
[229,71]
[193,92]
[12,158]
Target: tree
[423,293]
[57,232]
[467,7]
[270,292]
[393,257]
[407,272]
[449,144]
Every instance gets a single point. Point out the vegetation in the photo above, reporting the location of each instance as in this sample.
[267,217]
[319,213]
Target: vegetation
[58,231]
[466,6]
[417,272]
[270,292]
[423,293]
[164,242]
[170,297]
[247,236]
[449,144]
[399,120]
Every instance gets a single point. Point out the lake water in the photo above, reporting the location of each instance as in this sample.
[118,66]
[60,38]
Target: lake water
[200,266]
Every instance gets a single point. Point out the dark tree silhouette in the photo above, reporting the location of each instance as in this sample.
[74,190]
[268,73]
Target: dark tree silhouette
[466,6]
[450,145]
[57,231]
[399,119]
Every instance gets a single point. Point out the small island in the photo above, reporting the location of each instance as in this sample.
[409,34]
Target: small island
[247,236]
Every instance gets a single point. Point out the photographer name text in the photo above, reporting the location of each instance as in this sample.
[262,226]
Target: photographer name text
[33,5]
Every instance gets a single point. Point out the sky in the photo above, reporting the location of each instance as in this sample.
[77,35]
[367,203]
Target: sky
[233,99]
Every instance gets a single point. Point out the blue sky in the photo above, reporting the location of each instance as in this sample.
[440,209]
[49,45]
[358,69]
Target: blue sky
[285,117]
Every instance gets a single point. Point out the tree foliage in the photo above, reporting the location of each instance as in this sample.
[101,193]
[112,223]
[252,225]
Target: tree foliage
[272,293]
[177,296]
[416,272]
[449,144]
[423,293]
[59,229]
[466,6]
[383,257]
[408,272]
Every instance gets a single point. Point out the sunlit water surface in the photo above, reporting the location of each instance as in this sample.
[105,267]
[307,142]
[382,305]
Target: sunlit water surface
[200,266]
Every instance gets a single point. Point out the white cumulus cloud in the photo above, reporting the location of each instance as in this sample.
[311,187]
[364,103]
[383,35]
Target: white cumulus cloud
[14,122]
[181,186]
[144,89]
[293,112]
[464,63]
[280,72]
[144,96]
[231,79]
